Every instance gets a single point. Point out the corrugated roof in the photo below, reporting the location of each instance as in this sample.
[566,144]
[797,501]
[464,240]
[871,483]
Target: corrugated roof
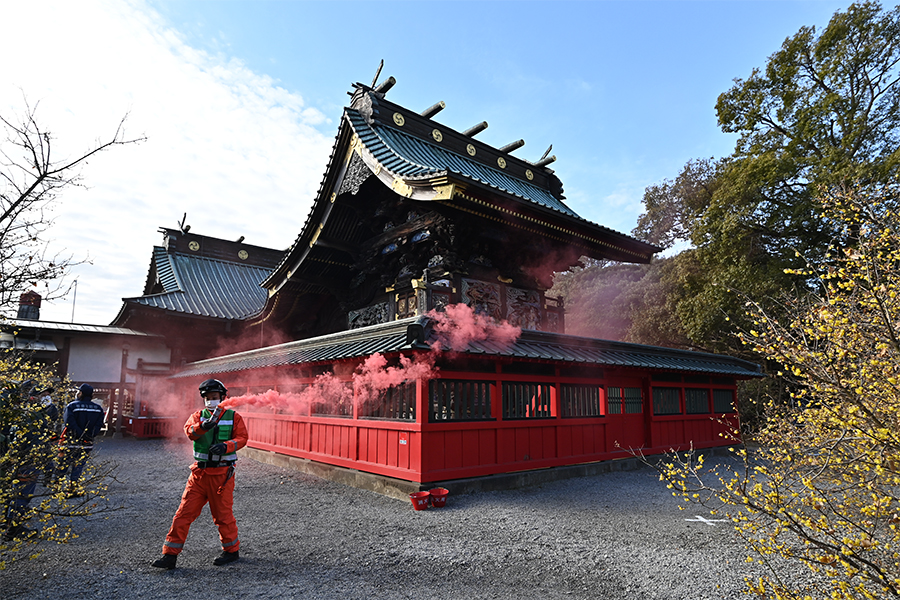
[413,158]
[413,333]
[388,337]
[165,271]
[20,324]
[206,287]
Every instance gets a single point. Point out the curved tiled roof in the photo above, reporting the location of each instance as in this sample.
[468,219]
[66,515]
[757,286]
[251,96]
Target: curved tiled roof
[411,158]
[412,334]
[165,271]
[206,287]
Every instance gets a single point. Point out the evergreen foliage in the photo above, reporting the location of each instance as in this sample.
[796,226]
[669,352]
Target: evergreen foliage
[824,113]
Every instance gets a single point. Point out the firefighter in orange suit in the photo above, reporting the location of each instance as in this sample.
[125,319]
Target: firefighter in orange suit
[217,435]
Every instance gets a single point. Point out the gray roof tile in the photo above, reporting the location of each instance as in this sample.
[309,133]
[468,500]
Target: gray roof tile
[51,326]
[206,287]
[396,336]
[411,157]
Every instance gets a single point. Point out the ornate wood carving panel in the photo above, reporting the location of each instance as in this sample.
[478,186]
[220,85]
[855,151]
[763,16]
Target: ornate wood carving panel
[483,297]
[523,308]
[370,315]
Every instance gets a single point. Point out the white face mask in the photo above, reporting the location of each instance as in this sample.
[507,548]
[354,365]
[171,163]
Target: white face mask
[211,404]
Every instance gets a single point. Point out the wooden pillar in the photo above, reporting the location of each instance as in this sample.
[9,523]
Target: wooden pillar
[120,394]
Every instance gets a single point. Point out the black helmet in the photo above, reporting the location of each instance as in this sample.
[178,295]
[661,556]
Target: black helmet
[212,385]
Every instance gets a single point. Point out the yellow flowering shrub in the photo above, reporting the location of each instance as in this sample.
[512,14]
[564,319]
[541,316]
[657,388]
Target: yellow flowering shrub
[29,451]
[819,484]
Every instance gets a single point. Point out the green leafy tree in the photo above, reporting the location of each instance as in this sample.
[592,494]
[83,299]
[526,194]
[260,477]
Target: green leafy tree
[623,302]
[823,112]
[823,489]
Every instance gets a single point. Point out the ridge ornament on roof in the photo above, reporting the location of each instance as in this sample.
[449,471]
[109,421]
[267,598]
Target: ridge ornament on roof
[428,163]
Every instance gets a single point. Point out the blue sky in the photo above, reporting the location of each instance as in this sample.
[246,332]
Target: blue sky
[240,103]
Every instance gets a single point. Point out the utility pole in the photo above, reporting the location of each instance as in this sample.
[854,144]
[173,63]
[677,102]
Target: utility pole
[74,296]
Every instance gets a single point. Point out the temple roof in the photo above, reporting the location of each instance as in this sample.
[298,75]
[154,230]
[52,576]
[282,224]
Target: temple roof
[415,334]
[426,161]
[413,158]
[201,276]
[205,287]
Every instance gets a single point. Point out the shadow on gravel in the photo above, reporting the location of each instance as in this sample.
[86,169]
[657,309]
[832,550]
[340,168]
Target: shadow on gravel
[614,535]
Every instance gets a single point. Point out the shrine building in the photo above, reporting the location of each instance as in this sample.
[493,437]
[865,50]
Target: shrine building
[412,216]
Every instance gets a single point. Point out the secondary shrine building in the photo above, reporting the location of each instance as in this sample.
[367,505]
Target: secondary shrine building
[412,216]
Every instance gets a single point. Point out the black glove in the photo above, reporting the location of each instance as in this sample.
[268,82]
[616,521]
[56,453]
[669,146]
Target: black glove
[218,449]
[213,420]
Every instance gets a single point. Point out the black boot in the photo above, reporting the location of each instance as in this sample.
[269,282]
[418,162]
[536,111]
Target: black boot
[166,561]
[225,558]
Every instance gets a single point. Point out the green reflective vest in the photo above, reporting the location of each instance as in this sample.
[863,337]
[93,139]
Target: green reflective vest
[220,433]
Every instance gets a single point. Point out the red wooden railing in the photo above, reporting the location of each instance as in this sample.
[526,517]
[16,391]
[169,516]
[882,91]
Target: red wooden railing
[423,450]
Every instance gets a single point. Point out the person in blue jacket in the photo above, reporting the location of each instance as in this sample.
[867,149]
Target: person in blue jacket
[23,444]
[83,421]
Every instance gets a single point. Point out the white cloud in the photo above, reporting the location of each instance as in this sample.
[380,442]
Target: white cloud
[231,148]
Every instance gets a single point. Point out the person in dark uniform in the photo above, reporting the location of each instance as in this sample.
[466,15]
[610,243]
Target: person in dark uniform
[26,447]
[83,421]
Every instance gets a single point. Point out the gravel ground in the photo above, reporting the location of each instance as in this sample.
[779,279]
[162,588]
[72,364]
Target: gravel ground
[614,535]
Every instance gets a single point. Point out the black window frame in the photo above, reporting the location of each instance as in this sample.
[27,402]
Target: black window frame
[578,400]
[459,400]
[664,404]
[694,405]
[624,400]
[718,402]
[518,400]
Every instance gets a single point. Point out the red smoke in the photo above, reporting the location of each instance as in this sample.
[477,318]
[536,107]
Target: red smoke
[455,327]
[458,325]
[257,336]
[326,389]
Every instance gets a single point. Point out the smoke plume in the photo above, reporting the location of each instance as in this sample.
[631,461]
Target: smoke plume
[455,328]
[458,326]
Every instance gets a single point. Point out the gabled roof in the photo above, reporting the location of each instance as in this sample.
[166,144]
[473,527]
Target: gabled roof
[415,334]
[421,159]
[195,285]
[201,276]
[411,157]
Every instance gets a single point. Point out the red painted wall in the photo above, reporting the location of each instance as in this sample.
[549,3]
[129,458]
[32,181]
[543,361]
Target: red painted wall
[426,451]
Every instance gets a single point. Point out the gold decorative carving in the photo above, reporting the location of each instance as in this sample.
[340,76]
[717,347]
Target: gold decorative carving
[333,197]
[243,254]
[444,192]
[470,149]
[399,121]
[502,279]
[194,245]
[437,135]
[315,236]
[501,162]
[529,174]
[401,188]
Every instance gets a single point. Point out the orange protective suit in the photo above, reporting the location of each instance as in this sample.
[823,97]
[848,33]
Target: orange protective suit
[211,484]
